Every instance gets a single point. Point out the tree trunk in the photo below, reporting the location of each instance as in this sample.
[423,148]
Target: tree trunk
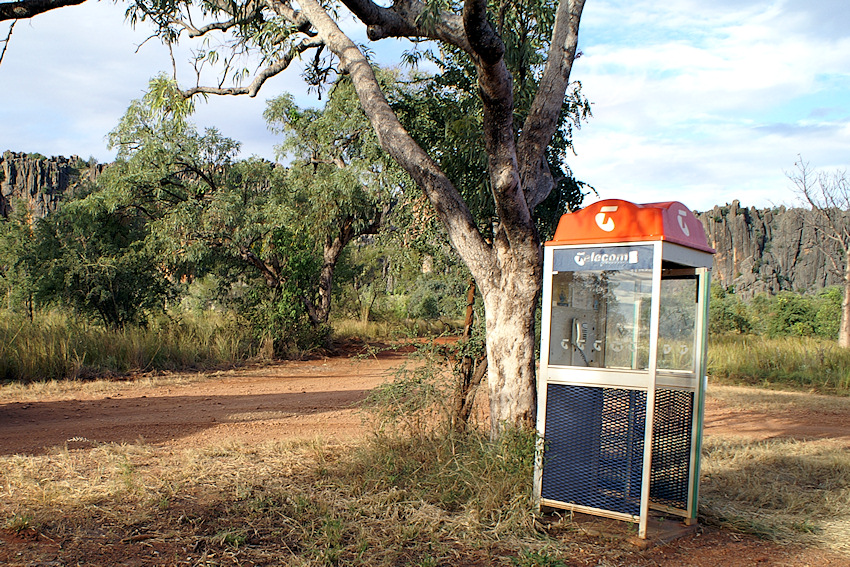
[471,370]
[331,251]
[509,310]
[844,329]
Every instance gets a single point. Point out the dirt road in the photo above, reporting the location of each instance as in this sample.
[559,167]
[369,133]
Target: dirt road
[291,400]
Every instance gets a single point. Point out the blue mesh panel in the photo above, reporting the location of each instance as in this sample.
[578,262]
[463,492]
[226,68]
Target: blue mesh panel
[671,448]
[594,447]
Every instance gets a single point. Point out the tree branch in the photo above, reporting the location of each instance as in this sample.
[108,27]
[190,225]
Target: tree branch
[408,18]
[542,120]
[269,272]
[496,88]
[29,8]
[215,26]
[238,16]
[275,68]
[398,143]
[483,39]
[6,41]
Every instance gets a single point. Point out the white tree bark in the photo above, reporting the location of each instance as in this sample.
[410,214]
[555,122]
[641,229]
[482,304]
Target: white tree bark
[509,306]
[844,327]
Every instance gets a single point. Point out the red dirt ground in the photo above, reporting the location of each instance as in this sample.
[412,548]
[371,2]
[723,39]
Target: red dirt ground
[316,399]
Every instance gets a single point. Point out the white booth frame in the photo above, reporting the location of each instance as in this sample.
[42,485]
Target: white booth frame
[646,380]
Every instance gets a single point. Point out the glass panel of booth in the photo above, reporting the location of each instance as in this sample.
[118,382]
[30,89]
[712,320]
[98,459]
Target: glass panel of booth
[677,322]
[601,319]
[600,310]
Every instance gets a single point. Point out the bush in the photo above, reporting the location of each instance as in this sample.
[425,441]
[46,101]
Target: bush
[792,314]
[437,297]
[788,314]
[727,313]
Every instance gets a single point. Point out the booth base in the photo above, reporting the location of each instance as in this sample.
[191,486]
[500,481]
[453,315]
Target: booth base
[660,529]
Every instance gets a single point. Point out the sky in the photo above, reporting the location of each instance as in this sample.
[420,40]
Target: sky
[694,101]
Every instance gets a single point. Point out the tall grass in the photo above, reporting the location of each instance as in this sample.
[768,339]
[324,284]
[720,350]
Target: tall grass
[56,346]
[808,363]
[347,329]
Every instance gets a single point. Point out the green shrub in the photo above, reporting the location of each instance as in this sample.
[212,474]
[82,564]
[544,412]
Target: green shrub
[727,313]
[437,297]
[786,314]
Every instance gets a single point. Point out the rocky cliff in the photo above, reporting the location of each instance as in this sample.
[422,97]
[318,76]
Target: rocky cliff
[40,182]
[769,250]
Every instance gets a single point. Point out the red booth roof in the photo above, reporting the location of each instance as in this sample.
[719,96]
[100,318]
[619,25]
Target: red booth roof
[615,220]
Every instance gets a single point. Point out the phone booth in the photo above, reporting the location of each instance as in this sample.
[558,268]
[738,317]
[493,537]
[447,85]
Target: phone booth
[622,362]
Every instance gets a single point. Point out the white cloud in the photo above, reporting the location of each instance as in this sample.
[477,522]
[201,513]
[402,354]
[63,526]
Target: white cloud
[706,103]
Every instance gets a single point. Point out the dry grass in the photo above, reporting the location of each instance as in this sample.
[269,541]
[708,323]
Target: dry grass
[797,363]
[792,491]
[293,504]
[381,502]
[69,389]
[390,330]
[772,401]
[788,490]
[56,346]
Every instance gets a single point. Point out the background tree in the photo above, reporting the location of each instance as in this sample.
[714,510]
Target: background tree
[95,259]
[287,226]
[16,238]
[506,260]
[340,183]
[829,196]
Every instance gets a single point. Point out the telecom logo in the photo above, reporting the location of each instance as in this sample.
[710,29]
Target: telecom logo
[606,258]
[604,221]
[681,218]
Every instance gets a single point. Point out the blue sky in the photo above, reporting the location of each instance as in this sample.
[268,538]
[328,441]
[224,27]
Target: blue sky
[701,102]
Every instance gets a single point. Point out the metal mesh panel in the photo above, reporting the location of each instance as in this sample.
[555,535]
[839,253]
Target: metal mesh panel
[671,448]
[594,447]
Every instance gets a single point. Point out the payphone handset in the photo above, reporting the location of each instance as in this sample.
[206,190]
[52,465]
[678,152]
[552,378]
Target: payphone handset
[580,332]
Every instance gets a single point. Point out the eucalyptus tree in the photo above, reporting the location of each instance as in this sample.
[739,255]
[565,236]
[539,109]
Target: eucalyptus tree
[16,237]
[339,182]
[505,260]
[285,225]
[94,258]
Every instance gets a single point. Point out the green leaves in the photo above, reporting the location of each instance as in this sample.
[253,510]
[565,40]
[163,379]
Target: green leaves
[94,259]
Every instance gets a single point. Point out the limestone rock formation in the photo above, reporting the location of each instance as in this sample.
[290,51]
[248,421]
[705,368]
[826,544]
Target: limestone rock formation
[769,250]
[39,182]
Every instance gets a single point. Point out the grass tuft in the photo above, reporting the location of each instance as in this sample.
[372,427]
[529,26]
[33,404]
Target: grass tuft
[54,346]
